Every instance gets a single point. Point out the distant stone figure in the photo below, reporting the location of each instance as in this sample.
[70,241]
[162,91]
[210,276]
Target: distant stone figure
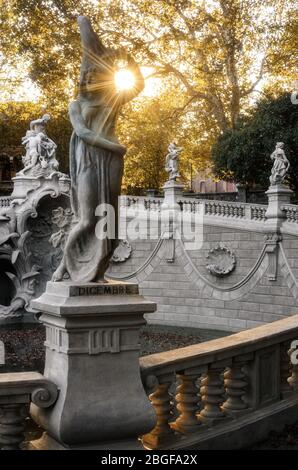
[172,161]
[40,159]
[281,164]
[96,156]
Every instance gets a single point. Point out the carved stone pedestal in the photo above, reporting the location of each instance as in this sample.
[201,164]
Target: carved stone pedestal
[24,186]
[172,192]
[92,354]
[278,195]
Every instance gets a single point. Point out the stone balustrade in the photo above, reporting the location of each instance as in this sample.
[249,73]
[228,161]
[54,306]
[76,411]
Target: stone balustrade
[230,390]
[224,387]
[141,203]
[211,208]
[189,205]
[224,209]
[258,212]
[234,210]
[291,212]
[17,392]
[5,201]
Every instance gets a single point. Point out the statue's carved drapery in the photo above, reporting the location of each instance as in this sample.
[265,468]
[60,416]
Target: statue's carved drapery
[96,157]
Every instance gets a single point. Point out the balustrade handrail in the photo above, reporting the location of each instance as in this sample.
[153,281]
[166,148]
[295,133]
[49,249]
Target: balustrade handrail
[247,375]
[213,209]
[17,391]
[222,348]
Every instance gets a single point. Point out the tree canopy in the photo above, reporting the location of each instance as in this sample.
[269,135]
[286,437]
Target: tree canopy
[215,54]
[243,154]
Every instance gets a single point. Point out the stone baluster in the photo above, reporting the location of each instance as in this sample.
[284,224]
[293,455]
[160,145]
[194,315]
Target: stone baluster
[290,214]
[212,393]
[161,400]
[293,379]
[285,367]
[187,400]
[235,384]
[12,426]
[17,391]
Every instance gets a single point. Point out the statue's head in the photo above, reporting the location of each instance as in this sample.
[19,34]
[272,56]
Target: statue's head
[97,66]
[38,125]
[280,145]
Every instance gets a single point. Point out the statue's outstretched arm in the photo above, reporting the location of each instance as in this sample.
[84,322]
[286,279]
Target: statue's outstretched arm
[88,135]
[139,85]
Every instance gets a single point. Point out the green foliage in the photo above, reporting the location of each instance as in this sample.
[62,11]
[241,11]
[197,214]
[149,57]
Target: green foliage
[213,53]
[146,127]
[243,154]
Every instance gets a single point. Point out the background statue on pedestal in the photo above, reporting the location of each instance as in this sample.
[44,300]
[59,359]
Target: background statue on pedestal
[96,156]
[40,157]
[281,164]
[172,161]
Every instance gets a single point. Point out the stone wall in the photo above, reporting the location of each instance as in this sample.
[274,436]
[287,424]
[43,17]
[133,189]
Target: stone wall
[261,288]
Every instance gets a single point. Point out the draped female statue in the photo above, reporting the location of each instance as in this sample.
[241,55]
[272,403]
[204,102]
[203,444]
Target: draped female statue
[281,164]
[96,156]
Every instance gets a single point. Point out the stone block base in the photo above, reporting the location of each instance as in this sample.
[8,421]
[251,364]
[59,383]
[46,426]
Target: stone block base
[92,355]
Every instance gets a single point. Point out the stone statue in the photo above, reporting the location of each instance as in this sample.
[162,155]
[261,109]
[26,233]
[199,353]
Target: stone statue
[96,156]
[40,157]
[172,161]
[281,164]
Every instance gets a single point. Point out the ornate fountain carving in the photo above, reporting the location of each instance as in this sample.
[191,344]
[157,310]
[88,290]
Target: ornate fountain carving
[222,261]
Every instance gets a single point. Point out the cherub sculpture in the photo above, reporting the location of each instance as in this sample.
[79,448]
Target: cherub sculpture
[40,150]
[281,164]
[172,161]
